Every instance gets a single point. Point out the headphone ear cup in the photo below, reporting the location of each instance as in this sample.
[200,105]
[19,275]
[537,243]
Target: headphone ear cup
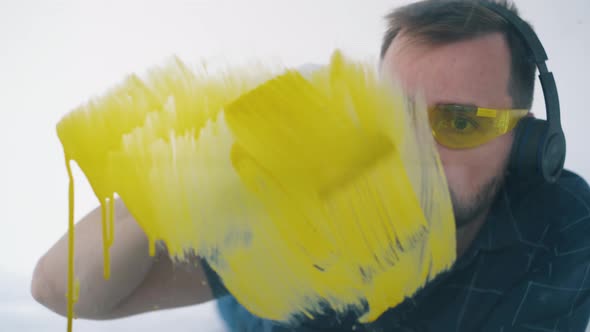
[528,149]
[553,156]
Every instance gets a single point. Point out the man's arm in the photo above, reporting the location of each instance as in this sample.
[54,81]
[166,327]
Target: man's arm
[138,282]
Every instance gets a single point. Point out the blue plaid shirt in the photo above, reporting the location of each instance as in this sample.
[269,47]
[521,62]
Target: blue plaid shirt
[527,270]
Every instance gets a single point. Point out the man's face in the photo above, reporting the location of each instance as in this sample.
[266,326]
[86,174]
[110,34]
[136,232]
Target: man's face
[473,72]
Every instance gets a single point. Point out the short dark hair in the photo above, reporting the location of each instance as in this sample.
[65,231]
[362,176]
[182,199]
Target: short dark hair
[439,22]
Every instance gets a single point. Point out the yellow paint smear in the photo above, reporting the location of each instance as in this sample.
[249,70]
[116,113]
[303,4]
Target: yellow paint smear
[301,193]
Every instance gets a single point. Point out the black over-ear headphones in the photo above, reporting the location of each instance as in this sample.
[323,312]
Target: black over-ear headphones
[539,147]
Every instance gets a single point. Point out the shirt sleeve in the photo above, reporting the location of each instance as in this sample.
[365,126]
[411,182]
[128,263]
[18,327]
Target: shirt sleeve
[215,283]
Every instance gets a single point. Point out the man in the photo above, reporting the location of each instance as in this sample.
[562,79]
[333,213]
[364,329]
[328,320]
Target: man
[523,248]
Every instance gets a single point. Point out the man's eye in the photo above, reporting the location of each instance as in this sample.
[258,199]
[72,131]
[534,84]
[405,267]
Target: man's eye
[462,124]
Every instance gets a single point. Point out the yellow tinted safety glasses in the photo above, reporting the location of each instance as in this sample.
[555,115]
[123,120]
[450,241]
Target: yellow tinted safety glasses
[465,126]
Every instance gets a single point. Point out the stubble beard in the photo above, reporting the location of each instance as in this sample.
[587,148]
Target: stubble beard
[467,211]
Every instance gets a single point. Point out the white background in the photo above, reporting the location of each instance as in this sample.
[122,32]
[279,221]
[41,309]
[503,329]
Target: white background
[55,55]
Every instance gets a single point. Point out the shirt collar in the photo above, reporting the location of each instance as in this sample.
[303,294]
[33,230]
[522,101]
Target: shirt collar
[501,228]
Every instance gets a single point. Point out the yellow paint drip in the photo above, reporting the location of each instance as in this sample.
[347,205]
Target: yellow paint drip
[73,284]
[301,193]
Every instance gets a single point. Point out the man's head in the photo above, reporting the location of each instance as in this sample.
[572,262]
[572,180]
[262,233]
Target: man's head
[460,52]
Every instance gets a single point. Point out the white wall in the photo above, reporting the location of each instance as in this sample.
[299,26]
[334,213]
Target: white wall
[55,55]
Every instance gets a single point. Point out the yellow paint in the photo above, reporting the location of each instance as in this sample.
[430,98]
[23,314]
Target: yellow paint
[73,285]
[299,192]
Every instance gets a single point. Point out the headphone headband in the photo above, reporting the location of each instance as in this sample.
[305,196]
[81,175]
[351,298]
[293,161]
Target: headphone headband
[534,45]
[549,147]
[524,31]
